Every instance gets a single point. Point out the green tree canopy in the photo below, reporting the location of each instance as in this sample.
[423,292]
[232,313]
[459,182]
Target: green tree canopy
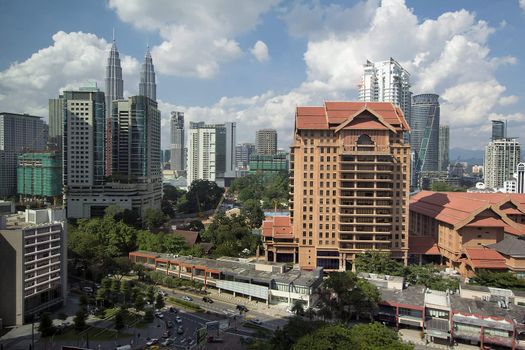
[202,195]
[252,210]
[154,218]
[333,337]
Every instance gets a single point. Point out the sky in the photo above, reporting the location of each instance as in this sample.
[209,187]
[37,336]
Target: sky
[254,61]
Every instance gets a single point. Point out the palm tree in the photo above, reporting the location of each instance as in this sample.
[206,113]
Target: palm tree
[298,307]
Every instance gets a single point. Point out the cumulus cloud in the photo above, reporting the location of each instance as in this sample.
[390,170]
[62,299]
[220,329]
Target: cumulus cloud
[260,51]
[522,4]
[72,60]
[198,36]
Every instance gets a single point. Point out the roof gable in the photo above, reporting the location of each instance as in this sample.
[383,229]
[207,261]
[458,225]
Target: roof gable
[362,112]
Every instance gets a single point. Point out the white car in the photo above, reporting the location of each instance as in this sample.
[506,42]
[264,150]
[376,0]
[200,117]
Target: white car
[187,298]
[152,341]
[178,319]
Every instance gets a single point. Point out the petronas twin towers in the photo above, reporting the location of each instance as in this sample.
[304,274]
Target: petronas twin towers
[115,84]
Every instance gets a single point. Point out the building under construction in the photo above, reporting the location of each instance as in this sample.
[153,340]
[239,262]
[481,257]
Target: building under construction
[268,164]
[39,174]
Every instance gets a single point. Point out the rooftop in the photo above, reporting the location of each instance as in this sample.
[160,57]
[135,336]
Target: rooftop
[510,246]
[411,296]
[485,258]
[240,268]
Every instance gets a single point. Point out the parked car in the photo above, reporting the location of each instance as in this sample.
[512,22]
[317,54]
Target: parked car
[166,334]
[207,300]
[180,330]
[152,341]
[172,309]
[159,315]
[187,298]
[178,319]
[256,321]
[166,342]
[87,290]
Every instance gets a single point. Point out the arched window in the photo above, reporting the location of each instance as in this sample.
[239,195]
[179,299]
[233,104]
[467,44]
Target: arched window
[364,139]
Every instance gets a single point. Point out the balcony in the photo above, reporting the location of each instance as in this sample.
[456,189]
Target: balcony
[366,149]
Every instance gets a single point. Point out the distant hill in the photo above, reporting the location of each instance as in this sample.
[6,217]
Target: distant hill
[466,155]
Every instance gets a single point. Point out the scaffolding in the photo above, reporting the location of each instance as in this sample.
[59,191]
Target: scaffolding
[39,174]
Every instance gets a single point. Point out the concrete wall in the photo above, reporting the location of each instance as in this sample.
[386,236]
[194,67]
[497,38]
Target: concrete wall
[11,300]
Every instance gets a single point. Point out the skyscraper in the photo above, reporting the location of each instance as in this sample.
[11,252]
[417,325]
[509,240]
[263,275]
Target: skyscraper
[501,159]
[84,138]
[520,178]
[114,91]
[424,138]
[349,188]
[147,85]
[56,122]
[177,142]
[19,133]
[211,153]
[136,140]
[499,130]
[266,141]
[243,153]
[444,147]
[386,81]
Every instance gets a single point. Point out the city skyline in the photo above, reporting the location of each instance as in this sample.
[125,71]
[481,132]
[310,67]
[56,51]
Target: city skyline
[253,69]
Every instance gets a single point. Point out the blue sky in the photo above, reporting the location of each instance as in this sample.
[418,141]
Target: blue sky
[470,52]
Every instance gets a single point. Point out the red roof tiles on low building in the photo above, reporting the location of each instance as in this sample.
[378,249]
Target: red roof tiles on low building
[485,258]
[277,226]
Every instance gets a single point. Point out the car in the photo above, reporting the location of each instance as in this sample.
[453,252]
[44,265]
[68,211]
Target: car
[169,324]
[166,342]
[163,293]
[256,321]
[178,319]
[87,290]
[180,330]
[183,340]
[187,298]
[159,315]
[166,334]
[242,308]
[152,341]
[173,310]
[207,300]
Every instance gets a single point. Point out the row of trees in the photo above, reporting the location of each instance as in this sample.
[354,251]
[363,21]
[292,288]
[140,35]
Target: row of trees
[269,190]
[301,334]
[202,195]
[498,279]
[427,275]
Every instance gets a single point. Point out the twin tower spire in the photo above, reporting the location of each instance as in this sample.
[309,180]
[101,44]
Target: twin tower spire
[115,84]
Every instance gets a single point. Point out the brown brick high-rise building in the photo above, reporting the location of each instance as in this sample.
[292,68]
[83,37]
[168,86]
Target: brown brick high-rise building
[350,172]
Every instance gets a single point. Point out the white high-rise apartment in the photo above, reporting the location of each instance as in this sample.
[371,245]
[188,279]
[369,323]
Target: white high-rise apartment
[520,178]
[201,152]
[177,142]
[501,159]
[386,81]
[211,153]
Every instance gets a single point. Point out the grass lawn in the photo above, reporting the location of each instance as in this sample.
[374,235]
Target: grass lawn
[95,333]
[185,304]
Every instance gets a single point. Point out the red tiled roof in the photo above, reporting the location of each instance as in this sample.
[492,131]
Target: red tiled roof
[191,237]
[487,222]
[277,226]
[332,114]
[425,245]
[455,207]
[519,230]
[485,258]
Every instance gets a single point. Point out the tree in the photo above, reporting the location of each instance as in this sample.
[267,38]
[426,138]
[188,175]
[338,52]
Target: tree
[46,327]
[251,209]
[202,195]
[150,294]
[298,308]
[121,267]
[148,316]
[159,301]
[196,251]
[171,243]
[154,218]
[378,262]
[327,337]
[498,279]
[139,302]
[195,225]
[126,289]
[375,336]
[80,320]
[120,320]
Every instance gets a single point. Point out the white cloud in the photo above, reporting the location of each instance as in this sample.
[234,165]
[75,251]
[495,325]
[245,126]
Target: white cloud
[508,100]
[198,36]
[522,4]
[260,51]
[73,59]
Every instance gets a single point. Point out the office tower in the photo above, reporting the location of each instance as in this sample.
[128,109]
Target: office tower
[39,174]
[177,142]
[444,147]
[243,153]
[136,141]
[84,137]
[387,81]
[499,130]
[114,91]
[266,141]
[33,272]
[268,164]
[56,122]
[501,159]
[211,153]
[19,133]
[424,136]
[147,85]
[520,178]
[350,174]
